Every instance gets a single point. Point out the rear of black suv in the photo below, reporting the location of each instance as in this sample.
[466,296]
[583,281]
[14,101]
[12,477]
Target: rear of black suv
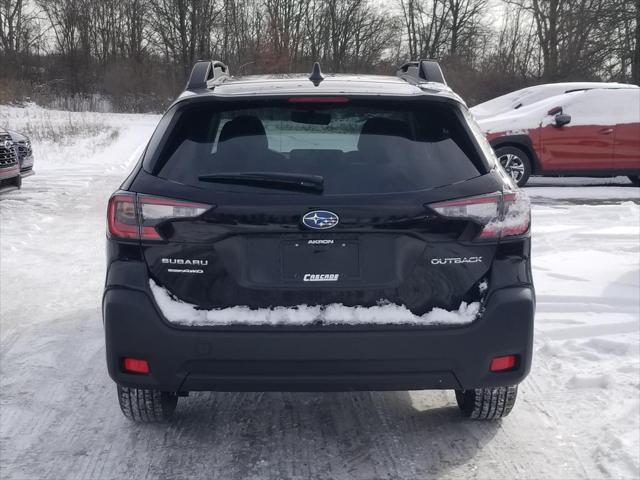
[318,241]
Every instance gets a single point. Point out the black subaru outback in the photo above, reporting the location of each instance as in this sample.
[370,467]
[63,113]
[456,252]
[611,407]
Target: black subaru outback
[318,233]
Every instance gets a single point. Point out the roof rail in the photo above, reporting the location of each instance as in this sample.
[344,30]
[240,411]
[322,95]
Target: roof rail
[419,71]
[205,70]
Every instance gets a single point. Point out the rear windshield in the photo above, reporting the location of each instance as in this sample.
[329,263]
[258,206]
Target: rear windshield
[355,148]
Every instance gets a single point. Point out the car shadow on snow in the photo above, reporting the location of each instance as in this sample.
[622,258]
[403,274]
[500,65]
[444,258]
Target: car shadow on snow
[322,435]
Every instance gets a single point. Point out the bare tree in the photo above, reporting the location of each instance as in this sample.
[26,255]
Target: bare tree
[573,35]
[11,24]
[183,29]
[139,52]
[285,28]
[426,22]
[465,20]
[623,63]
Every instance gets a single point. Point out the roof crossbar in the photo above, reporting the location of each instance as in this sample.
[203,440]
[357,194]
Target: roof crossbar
[419,71]
[205,70]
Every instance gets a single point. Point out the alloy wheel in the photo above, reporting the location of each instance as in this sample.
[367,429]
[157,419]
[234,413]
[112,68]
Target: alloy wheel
[514,165]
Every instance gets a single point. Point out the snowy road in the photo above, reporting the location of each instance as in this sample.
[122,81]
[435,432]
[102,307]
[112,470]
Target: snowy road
[577,415]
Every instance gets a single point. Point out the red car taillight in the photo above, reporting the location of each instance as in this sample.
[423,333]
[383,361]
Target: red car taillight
[136,217]
[122,218]
[500,215]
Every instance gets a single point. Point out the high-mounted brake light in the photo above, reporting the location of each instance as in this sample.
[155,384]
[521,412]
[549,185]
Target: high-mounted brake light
[319,99]
[500,215]
[137,217]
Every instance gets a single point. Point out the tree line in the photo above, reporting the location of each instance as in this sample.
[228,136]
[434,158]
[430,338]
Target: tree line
[136,55]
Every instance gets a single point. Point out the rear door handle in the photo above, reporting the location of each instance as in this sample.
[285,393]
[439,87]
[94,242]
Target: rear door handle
[605,131]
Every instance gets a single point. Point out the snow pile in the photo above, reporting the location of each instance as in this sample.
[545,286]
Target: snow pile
[183,313]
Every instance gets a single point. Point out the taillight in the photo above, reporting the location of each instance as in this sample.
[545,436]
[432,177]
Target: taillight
[122,218]
[500,215]
[517,214]
[154,210]
[131,216]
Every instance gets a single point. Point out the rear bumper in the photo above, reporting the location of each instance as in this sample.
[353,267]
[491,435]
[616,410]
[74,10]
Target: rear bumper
[316,358]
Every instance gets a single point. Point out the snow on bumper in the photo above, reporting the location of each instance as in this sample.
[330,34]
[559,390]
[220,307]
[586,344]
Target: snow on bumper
[178,312]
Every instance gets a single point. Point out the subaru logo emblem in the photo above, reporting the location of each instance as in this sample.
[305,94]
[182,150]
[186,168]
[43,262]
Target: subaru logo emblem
[8,144]
[320,220]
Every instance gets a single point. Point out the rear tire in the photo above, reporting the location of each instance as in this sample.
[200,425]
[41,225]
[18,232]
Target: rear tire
[635,179]
[516,162]
[146,406]
[487,403]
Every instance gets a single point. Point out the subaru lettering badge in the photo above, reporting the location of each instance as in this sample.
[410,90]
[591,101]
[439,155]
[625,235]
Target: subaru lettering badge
[320,220]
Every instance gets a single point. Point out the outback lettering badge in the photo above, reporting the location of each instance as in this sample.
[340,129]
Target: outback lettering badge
[455,260]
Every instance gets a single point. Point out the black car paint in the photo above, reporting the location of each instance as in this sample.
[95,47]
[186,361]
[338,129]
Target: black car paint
[319,357]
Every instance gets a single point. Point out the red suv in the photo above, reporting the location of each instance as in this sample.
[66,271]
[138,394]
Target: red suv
[566,130]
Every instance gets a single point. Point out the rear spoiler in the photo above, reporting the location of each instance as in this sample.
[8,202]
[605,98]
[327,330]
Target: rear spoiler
[205,71]
[421,71]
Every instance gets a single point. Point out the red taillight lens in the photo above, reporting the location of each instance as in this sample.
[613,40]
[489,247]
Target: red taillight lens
[501,215]
[502,364]
[137,217]
[122,219]
[135,365]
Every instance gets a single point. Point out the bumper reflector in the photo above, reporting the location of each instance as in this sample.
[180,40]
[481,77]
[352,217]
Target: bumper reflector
[501,364]
[135,365]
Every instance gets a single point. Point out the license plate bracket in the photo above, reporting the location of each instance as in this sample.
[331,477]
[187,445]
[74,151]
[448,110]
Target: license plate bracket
[322,261]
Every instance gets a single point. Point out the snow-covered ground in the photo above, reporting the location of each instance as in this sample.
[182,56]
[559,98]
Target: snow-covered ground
[577,415]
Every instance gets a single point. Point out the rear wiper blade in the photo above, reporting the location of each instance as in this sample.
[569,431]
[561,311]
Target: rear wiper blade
[285,181]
